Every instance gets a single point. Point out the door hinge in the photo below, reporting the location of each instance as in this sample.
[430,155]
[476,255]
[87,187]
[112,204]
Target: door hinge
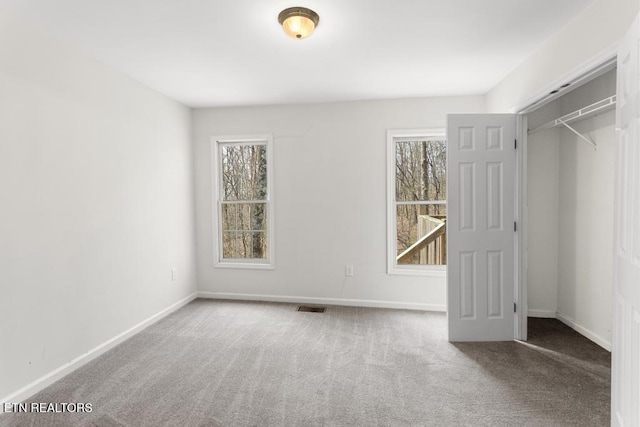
[514,307]
[515,226]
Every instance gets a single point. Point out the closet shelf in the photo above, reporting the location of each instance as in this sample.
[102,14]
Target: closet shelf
[583,113]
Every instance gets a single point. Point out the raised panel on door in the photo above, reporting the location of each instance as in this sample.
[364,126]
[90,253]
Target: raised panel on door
[467,196]
[495,190]
[468,285]
[495,281]
[481,243]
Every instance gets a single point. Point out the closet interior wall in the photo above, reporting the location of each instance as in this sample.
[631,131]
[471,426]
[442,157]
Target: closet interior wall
[570,209]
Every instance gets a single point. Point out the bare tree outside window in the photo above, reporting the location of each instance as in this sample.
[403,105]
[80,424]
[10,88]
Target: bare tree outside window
[420,200]
[244,210]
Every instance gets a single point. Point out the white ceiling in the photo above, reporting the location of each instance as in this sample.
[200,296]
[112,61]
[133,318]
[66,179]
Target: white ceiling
[233,52]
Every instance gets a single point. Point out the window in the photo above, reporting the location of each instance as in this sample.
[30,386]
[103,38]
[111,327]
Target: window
[242,182]
[416,201]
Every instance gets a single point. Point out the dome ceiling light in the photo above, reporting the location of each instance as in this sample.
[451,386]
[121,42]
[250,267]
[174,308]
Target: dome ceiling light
[298,22]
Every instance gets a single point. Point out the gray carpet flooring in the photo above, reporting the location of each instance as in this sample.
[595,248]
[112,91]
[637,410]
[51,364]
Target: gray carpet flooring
[228,363]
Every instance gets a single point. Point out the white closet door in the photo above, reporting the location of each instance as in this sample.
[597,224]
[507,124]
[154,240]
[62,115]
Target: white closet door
[625,387]
[481,160]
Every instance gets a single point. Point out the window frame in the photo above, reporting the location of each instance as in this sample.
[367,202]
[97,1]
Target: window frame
[217,142]
[392,267]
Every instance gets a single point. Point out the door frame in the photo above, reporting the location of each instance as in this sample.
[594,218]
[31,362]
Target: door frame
[589,70]
[521,244]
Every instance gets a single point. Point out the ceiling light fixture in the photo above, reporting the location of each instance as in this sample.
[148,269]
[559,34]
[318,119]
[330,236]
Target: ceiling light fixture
[298,22]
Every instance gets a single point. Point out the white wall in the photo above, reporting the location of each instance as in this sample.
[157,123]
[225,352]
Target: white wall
[330,195]
[543,174]
[96,193]
[585,238]
[591,37]
[570,207]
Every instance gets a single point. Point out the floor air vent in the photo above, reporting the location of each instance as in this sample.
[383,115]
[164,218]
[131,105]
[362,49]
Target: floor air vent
[311,309]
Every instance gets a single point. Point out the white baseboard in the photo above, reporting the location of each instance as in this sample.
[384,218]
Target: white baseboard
[326,301]
[544,314]
[584,331]
[53,376]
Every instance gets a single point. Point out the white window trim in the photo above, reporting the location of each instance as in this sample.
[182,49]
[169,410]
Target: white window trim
[392,267]
[216,203]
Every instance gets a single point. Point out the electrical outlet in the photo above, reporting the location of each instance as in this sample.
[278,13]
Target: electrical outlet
[348,270]
[174,274]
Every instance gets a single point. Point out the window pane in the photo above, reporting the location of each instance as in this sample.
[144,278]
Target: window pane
[259,173]
[243,246]
[258,244]
[229,217]
[239,240]
[244,172]
[413,223]
[229,245]
[421,172]
[248,245]
[252,216]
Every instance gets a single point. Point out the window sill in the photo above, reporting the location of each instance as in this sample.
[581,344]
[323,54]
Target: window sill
[244,265]
[430,271]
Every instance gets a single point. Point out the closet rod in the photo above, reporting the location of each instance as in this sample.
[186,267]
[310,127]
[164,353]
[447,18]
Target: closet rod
[588,111]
